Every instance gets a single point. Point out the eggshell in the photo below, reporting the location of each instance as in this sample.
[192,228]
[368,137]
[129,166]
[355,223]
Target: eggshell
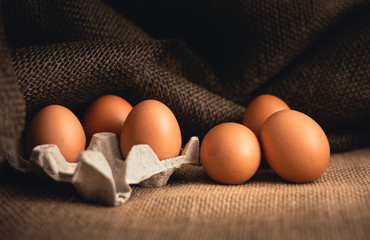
[259,109]
[106,114]
[230,153]
[152,122]
[295,146]
[57,125]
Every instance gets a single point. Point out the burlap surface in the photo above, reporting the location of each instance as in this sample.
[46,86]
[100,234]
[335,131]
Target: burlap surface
[191,206]
[206,60]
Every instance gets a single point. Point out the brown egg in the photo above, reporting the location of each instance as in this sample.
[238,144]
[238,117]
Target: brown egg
[260,109]
[295,146]
[230,153]
[106,114]
[57,125]
[152,122]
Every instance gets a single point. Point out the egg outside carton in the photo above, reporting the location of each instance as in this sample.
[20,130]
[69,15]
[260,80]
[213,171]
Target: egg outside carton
[101,175]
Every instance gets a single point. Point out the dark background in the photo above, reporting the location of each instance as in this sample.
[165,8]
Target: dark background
[205,59]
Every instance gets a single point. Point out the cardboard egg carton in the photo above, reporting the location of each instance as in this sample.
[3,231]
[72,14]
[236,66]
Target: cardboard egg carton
[100,174]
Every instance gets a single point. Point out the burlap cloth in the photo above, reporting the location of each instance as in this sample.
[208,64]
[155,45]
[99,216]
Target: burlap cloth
[206,60]
[191,206]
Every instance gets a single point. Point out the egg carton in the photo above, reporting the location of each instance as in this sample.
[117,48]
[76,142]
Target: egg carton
[101,175]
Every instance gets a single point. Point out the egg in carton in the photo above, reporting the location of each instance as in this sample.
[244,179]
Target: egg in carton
[100,174]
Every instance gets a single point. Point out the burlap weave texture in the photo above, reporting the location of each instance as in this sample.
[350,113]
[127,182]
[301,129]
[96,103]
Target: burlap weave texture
[206,60]
[192,206]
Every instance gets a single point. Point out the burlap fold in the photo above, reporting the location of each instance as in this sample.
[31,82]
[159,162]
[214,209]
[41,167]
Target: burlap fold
[206,60]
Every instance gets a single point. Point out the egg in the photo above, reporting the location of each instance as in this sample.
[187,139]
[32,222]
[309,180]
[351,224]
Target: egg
[106,114]
[57,125]
[259,109]
[295,146]
[152,122]
[230,153]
